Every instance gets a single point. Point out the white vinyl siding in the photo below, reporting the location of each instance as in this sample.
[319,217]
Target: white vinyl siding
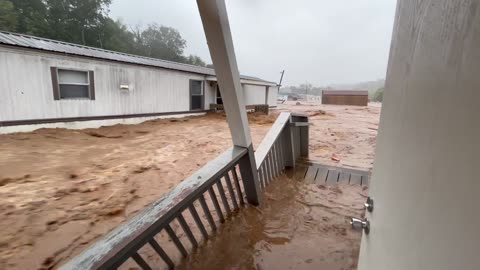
[272,96]
[27,87]
[254,94]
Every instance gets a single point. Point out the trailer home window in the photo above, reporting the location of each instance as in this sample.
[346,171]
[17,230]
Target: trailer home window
[196,95]
[72,84]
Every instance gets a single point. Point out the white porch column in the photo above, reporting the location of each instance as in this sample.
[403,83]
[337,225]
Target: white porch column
[219,39]
[426,181]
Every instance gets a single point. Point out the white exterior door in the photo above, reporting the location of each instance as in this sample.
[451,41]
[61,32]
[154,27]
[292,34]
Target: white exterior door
[426,176]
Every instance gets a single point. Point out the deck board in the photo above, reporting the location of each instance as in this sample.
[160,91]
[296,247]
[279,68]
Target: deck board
[339,168]
[300,172]
[344,177]
[355,179]
[330,175]
[311,174]
[365,179]
[321,175]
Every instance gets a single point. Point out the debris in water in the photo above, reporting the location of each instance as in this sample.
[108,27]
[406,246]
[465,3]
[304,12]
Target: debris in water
[142,169]
[98,135]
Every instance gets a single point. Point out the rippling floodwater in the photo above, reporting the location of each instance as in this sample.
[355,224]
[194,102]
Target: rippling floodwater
[299,226]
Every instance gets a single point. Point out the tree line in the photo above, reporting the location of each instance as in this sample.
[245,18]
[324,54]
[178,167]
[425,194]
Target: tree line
[86,22]
[307,89]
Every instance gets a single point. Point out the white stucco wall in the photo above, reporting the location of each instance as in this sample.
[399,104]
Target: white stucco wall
[27,93]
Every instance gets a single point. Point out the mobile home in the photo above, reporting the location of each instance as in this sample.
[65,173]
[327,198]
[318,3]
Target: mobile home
[48,83]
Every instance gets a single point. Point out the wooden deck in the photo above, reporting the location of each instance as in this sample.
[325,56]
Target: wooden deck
[328,175]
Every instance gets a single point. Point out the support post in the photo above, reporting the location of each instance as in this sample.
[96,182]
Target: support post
[246,164]
[219,38]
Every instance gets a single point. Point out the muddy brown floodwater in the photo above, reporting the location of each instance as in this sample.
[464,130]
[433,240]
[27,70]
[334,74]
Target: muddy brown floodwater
[64,189]
[299,226]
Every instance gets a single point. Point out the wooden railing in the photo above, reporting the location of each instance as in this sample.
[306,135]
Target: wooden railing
[218,181]
[285,142]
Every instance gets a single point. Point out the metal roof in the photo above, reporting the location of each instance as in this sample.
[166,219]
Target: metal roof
[32,42]
[345,93]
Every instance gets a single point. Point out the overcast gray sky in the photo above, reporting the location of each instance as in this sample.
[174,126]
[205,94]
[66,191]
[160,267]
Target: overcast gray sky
[317,41]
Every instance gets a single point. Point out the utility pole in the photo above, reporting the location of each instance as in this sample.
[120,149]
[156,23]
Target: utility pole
[281,78]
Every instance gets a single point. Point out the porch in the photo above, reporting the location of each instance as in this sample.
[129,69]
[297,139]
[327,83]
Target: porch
[183,221]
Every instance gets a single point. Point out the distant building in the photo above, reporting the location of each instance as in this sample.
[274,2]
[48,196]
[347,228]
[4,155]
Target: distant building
[48,83]
[345,97]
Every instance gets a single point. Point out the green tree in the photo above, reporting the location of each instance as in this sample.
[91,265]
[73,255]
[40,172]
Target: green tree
[115,36]
[8,16]
[378,96]
[195,60]
[87,22]
[158,41]
[77,21]
[162,42]
[30,17]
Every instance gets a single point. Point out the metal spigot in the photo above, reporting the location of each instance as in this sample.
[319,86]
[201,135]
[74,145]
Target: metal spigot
[369,204]
[359,224]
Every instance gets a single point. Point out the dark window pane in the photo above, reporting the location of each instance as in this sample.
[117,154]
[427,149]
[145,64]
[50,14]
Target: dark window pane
[196,102]
[219,96]
[196,87]
[73,91]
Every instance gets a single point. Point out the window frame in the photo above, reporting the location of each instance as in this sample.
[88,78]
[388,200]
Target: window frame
[218,95]
[56,83]
[202,87]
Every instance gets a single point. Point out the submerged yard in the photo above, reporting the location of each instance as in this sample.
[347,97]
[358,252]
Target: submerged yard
[63,189]
[300,226]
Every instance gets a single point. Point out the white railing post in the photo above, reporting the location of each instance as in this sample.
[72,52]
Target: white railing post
[299,133]
[303,125]
[219,38]
[289,143]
